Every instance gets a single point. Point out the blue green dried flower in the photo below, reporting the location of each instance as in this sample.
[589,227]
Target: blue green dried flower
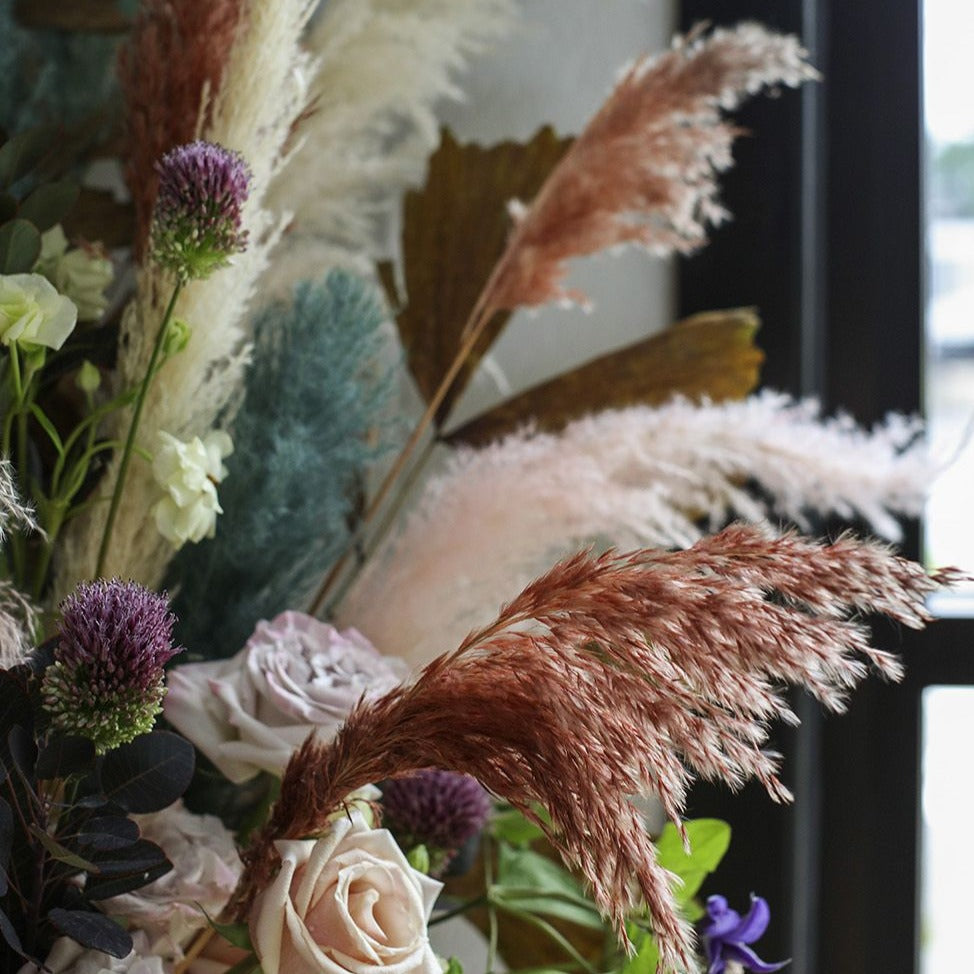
[106,682]
[197,222]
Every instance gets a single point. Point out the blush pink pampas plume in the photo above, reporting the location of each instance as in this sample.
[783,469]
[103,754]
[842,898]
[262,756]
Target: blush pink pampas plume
[643,476]
[618,675]
[644,169]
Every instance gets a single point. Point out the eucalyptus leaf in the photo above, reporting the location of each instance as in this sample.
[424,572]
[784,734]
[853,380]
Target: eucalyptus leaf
[149,773]
[49,204]
[93,930]
[105,887]
[9,934]
[20,246]
[20,153]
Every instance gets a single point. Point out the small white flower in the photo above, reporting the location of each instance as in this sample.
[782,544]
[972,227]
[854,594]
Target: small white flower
[188,472]
[81,274]
[32,313]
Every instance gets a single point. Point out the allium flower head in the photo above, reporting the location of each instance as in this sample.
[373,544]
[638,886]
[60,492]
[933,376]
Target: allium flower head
[438,809]
[196,226]
[106,682]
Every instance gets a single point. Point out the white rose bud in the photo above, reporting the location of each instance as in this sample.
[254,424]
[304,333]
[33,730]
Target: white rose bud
[188,472]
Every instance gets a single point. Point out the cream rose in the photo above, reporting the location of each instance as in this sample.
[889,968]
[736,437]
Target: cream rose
[347,902]
[295,676]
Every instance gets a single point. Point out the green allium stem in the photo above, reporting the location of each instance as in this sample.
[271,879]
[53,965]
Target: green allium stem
[133,429]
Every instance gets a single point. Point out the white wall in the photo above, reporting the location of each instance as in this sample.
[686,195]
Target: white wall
[558,70]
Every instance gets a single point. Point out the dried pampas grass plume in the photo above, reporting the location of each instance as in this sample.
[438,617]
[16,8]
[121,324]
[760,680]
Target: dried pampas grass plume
[642,476]
[644,169]
[619,675]
[175,55]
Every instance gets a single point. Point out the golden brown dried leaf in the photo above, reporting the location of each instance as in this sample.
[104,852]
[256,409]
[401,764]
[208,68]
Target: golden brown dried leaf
[455,229]
[711,354]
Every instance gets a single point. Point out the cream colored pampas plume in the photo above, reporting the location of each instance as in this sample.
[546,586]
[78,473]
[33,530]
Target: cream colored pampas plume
[263,91]
[638,476]
[615,676]
[644,169]
[381,67]
[18,616]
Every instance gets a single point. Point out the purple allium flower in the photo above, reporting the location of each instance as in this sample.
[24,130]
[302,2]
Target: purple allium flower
[438,809]
[106,682]
[196,226]
[726,936]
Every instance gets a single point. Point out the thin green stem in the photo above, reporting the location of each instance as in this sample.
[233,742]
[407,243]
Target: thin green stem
[458,910]
[133,429]
[492,928]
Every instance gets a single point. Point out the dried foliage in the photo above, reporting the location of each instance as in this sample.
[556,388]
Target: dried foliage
[619,675]
[644,169]
[711,354]
[172,64]
[454,230]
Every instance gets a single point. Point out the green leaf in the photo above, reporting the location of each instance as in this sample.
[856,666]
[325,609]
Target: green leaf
[49,203]
[19,154]
[249,965]
[48,427]
[531,883]
[510,825]
[646,958]
[453,966]
[8,207]
[59,852]
[709,840]
[236,934]
[20,246]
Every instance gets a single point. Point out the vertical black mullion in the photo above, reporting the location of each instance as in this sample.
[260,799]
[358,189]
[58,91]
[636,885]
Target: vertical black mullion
[871,755]
[760,259]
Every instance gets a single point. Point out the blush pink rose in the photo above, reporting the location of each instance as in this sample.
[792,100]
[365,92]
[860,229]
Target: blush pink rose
[295,676]
[347,903]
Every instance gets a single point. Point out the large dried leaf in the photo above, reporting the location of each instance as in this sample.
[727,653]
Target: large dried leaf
[102,16]
[454,230]
[709,354]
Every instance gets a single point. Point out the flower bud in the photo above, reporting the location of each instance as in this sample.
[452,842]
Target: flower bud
[176,338]
[88,378]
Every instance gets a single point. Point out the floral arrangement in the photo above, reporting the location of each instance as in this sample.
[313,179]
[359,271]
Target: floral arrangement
[406,670]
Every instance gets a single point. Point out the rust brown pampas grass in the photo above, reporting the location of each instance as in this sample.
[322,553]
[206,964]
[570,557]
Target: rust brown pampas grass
[616,675]
[644,169]
[169,70]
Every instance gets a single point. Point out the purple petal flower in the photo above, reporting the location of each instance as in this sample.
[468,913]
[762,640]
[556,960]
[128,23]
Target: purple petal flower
[438,809]
[196,226]
[726,935]
[106,682]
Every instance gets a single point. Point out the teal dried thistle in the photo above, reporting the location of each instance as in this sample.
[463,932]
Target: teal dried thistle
[314,418]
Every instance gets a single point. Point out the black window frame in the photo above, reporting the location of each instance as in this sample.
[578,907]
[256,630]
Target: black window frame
[827,241]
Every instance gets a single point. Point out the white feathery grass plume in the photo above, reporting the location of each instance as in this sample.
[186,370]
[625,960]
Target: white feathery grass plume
[15,513]
[18,623]
[263,91]
[630,478]
[370,126]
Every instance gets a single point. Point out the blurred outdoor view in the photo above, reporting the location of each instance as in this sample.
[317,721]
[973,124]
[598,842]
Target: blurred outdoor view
[948,712]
